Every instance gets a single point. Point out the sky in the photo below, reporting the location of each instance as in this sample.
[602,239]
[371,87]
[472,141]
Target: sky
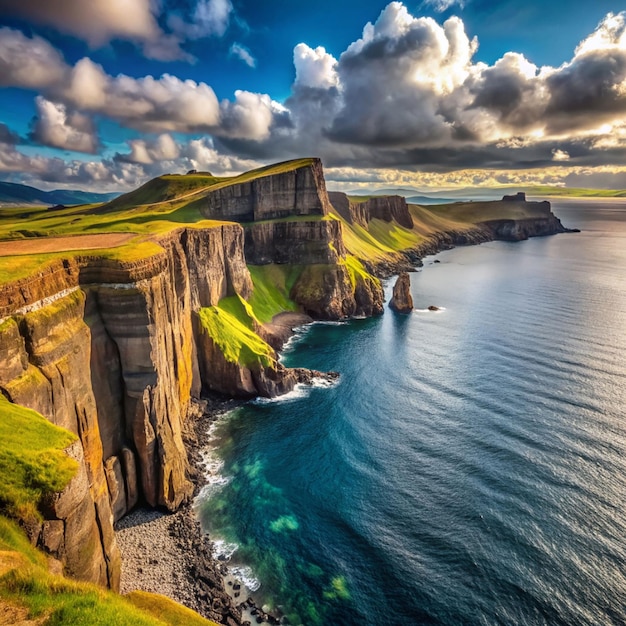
[106,94]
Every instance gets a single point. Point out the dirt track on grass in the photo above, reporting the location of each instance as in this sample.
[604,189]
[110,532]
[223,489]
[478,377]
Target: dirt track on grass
[40,245]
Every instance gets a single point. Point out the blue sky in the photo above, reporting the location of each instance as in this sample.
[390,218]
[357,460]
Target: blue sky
[108,93]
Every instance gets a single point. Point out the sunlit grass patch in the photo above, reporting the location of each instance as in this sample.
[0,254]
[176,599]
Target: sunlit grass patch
[32,459]
[230,331]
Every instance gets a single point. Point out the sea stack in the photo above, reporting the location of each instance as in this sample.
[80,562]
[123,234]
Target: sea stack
[402,301]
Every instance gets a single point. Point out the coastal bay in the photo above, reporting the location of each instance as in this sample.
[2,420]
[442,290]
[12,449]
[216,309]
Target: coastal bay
[467,466]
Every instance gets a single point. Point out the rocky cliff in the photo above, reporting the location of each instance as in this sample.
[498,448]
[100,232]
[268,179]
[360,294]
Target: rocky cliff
[386,208]
[293,192]
[109,351]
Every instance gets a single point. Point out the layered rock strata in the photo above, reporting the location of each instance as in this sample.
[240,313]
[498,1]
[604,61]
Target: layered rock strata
[295,192]
[386,208]
[108,351]
[402,300]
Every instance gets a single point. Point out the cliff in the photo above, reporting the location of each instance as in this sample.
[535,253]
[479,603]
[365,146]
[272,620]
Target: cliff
[362,212]
[283,190]
[109,351]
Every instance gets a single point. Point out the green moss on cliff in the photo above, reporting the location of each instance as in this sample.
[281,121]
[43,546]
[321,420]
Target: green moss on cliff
[272,286]
[28,591]
[32,461]
[357,272]
[230,327]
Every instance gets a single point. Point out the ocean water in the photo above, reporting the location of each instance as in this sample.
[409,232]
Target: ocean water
[470,465]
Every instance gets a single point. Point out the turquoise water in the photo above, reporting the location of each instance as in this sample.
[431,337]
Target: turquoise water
[469,467]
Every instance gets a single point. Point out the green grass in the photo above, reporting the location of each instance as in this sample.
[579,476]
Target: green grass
[476,212]
[25,582]
[272,286]
[229,324]
[357,272]
[379,240]
[32,461]
[18,266]
[162,189]
[267,170]
[167,610]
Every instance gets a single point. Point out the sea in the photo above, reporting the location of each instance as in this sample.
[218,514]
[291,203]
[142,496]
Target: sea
[469,467]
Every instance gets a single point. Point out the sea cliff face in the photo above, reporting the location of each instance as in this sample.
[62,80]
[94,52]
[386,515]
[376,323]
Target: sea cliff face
[110,352]
[386,208]
[295,192]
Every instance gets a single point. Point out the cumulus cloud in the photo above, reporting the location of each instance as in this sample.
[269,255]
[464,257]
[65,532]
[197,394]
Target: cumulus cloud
[57,127]
[314,67]
[396,78]
[243,54]
[29,63]
[165,104]
[408,93]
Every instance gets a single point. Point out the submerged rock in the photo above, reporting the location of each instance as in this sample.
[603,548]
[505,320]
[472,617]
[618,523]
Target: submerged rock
[402,301]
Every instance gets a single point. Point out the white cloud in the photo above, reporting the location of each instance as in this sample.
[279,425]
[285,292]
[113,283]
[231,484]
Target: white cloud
[242,53]
[29,63]
[156,105]
[57,127]
[408,93]
[314,67]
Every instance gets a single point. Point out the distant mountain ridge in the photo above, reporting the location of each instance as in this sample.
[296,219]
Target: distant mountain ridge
[14,193]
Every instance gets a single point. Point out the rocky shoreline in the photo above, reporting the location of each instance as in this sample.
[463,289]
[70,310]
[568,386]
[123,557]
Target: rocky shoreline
[169,554]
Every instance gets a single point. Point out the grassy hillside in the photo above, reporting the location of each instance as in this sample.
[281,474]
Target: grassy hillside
[32,461]
[231,326]
[476,212]
[31,594]
[575,192]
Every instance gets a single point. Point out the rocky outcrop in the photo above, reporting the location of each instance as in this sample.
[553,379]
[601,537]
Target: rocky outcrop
[352,212]
[47,356]
[296,191]
[402,301]
[389,208]
[386,208]
[520,196]
[332,292]
[519,230]
[297,242]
